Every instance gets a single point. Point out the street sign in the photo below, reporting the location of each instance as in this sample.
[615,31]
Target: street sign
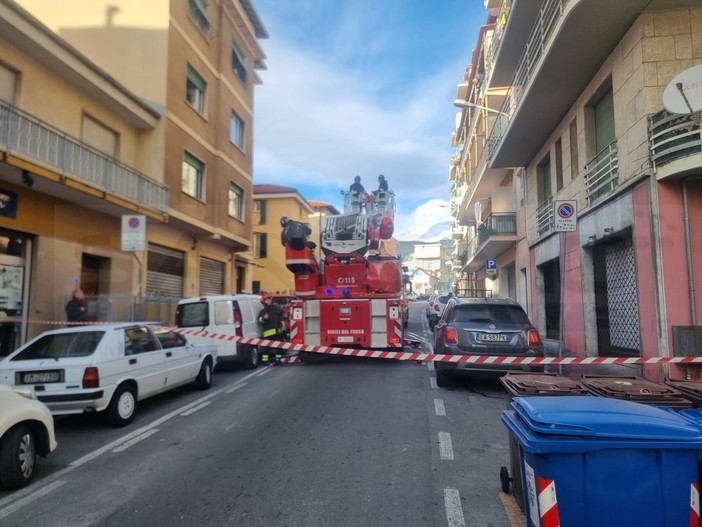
[565,215]
[491,264]
[133,232]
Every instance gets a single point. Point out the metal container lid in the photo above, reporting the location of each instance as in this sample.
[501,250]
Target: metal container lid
[523,384]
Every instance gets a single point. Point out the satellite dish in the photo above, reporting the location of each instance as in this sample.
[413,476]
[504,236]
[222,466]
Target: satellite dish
[683,95]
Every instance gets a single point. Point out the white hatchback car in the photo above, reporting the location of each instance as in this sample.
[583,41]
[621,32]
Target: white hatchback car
[26,431]
[107,367]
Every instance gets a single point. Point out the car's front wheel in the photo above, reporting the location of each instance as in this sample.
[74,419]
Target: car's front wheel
[17,457]
[204,378]
[252,359]
[122,406]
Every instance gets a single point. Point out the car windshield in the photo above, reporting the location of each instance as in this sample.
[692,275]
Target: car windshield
[62,345]
[495,314]
[443,299]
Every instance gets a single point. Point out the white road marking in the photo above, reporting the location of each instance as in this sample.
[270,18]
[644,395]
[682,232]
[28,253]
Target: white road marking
[137,439]
[432,381]
[235,387]
[445,446]
[439,407]
[264,371]
[454,511]
[196,408]
[430,365]
[30,498]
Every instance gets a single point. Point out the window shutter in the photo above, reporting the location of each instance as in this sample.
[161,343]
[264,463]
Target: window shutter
[262,216]
[264,245]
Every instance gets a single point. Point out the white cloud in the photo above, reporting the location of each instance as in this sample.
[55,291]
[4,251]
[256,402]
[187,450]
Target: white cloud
[336,102]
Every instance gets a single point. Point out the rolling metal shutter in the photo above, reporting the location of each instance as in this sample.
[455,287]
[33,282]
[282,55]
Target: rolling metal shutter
[211,277]
[165,271]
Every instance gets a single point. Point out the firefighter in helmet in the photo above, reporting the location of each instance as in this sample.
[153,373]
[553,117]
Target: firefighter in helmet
[271,320]
[357,193]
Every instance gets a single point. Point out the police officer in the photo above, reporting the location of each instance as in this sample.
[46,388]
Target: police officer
[271,320]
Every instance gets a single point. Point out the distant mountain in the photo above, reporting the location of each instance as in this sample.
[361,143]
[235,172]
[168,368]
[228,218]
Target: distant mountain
[407,248]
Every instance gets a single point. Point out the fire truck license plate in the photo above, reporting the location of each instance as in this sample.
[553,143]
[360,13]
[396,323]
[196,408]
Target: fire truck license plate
[344,339]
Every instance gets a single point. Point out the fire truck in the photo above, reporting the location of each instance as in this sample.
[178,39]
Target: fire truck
[352,296]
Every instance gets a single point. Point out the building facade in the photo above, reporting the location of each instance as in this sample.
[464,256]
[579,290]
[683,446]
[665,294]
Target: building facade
[610,179]
[116,110]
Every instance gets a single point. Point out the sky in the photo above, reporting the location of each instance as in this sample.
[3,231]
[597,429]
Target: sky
[364,87]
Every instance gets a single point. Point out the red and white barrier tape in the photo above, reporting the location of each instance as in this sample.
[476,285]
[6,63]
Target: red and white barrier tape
[415,356]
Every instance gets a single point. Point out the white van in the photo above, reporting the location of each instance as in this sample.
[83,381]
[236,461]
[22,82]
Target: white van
[234,315]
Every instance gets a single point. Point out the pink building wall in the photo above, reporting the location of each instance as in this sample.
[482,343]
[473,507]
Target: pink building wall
[573,319]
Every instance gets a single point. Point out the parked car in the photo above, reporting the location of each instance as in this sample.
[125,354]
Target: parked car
[484,326]
[107,367]
[26,431]
[436,306]
[231,315]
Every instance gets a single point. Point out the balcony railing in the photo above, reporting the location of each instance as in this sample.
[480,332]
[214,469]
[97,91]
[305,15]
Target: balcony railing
[25,134]
[673,137]
[602,173]
[495,224]
[544,217]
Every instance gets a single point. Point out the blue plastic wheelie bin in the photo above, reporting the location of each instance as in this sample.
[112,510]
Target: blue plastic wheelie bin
[600,462]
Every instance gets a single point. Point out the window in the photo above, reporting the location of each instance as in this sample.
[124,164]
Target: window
[198,12]
[543,183]
[196,90]
[8,84]
[260,207]
[236,201]
[559,164]
[260,244]
[239,63]
[236,131]
[193,176]
[574,169]
[100,136]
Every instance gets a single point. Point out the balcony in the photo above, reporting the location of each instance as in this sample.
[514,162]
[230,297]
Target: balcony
[545,80]
[544,217]
[676,145]
[497,234]
[602,173]
[30,139]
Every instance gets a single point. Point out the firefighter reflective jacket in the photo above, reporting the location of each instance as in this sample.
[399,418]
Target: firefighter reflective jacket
[271,320]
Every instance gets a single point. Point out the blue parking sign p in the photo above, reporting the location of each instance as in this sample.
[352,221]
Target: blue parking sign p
[491,264]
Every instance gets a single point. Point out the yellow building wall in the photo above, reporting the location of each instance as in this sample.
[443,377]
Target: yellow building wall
[271,271]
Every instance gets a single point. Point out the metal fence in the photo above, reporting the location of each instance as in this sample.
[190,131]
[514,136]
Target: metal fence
[130,308]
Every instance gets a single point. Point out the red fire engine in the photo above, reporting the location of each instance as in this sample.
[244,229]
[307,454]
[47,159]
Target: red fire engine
[352,297]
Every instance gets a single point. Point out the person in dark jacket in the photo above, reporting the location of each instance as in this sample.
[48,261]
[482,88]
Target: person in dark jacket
[75,308]
[382,183]
[271,320]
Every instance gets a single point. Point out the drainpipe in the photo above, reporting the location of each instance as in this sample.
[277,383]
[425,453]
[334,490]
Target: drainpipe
[688,252]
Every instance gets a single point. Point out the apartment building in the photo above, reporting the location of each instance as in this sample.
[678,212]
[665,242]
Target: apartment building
[583,123]
[196,64]
[271,203]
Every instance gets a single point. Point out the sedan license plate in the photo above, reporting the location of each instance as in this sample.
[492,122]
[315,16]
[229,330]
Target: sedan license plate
[491,337]
[40,377]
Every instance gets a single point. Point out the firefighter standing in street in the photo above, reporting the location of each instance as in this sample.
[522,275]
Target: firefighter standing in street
[271,320]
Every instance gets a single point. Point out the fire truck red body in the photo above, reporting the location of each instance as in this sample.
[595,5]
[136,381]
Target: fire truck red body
[352,296]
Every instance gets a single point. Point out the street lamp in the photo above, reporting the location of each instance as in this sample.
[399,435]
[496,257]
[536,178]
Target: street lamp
[460,103]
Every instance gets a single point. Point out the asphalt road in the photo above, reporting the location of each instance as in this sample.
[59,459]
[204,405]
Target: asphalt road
[340,442]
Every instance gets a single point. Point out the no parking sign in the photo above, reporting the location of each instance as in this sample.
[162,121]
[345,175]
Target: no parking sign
[565,215]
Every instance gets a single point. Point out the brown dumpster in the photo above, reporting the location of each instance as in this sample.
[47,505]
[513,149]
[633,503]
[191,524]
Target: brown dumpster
[636,389]
[691,390]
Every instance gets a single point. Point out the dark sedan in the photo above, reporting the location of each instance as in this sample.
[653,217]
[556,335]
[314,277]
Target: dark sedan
[487,327]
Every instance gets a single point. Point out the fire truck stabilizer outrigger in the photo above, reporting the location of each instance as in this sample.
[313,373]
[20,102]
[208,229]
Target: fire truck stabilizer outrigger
[352,297]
